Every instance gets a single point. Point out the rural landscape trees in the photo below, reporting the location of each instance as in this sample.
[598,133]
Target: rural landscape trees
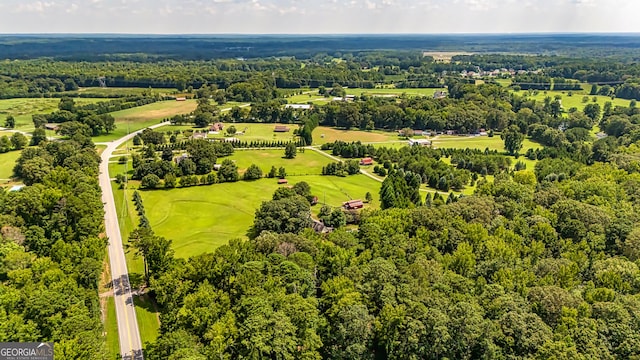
[510,231]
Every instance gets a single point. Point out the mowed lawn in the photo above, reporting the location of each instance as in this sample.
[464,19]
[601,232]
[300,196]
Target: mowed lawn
[147,316]
[201,218]
[111,328]
[23,108]
[144,116]
[7,162]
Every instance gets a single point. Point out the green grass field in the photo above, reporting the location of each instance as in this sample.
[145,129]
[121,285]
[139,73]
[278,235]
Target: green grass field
[325,134]
[307,163]
[111,328]
[23,108]
[7,162]
[144,116]
[391,91]
[575,100]
[147,316]
[220,212]
[107,91]
[478,142]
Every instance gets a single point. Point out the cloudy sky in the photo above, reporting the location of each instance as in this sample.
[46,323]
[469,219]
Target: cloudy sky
[317,16]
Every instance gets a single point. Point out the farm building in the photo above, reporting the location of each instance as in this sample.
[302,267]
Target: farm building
[180,158]
[439,94]
[419,142]
[282,181]
[216,127]
[54,127]
[181,99]
[353,204]
[198,135]
[366,161]
[281,128]
[298,106]
[320,228]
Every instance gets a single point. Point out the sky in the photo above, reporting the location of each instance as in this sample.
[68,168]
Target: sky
[317,16]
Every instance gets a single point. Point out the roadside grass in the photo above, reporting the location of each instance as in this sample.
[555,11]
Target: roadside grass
[127,221]
[7,162]
[199,219]
[111,328]
[147,315]
[22,109]
[140,117]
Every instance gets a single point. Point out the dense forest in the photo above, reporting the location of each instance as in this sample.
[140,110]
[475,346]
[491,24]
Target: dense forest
[51,251]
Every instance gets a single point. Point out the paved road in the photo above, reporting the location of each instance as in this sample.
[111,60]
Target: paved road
[129,334]
[128,331]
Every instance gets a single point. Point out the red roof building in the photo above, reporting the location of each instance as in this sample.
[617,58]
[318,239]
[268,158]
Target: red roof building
[353,204]
[283,181]
[366,161]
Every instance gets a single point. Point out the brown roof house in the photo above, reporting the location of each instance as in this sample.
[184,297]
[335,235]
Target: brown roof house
[353,204]
[281,128]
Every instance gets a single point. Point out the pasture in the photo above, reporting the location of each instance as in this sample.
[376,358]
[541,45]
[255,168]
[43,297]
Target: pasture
[22,109]
[392,91]
[220,212]
[140,117]
[575,100]
[307,163]
[478,142]
[325,134]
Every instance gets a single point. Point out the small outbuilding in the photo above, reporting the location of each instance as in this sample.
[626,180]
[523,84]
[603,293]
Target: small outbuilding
[281,128]
[298,106]
[366,161]
[282,181]
[181,99]
[53,127]
[419,142]
[353,204]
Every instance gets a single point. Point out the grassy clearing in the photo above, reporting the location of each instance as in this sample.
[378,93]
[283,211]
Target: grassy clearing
[144,116]
[108,91]
[575,100]
[391,91]
[22,109]
[111,328]
[478,142]
[307,163]
[221,212]
[148,321]
[324,134]
[7,162]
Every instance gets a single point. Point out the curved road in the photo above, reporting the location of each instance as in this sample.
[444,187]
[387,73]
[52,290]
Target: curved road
[129,334]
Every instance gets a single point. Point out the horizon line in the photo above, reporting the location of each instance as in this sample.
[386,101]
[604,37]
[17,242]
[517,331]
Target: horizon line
[316,34]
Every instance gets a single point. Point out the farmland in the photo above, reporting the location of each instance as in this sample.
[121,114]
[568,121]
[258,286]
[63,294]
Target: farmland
[22,109]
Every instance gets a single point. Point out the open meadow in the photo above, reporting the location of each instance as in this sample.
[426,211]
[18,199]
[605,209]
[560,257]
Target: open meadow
[23,108]
[140,117]
[478,142]
[575,100]
[7,162]
[221,212]
[325,134]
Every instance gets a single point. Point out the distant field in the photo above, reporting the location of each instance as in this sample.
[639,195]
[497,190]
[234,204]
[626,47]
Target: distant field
[23,108]
[144,116]
[7,162]
[478,142]
[324,134]
[391,91]
[107,91]
[220,212]
[575,100]
[307,163]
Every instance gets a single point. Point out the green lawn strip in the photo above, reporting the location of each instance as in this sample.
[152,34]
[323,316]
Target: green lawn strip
[199,219]
[479,142]
[116,168]
[107,91]
[147,316]
[325,134]
[392,91]
[128,220]
[7,162]
[111,328]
